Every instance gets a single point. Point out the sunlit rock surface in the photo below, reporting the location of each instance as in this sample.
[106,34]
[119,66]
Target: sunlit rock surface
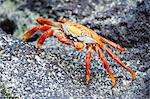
[57,70]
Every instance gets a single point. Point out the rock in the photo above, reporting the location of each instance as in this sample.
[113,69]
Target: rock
[53,73]
[57,70]
[8,26]
[116,20]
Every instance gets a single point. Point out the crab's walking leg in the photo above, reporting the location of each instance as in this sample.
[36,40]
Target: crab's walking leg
[63,39]
[44,36]
[43,21]
[120,62]
[102,57]
[88,56]
[34,29]
[113,44]
[54,32]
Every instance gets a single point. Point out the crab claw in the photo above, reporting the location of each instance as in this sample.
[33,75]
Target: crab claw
[79,45]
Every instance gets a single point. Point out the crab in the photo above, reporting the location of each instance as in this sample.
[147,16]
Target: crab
[81,37]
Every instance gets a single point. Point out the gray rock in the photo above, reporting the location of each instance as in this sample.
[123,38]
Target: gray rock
[115,20]
[58,71]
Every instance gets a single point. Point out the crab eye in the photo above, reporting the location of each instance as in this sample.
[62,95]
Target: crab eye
[75,40]
[71,37]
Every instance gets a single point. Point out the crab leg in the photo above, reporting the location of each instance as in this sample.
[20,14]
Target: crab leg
[103,59]
[48,22]
[121,63]
[88,56]
[34,29]
[113,44]
[43,37]
[63,38]
[53,32]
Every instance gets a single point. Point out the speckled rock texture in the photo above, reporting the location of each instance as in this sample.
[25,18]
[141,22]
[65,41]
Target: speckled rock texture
[58,71]
[115,20]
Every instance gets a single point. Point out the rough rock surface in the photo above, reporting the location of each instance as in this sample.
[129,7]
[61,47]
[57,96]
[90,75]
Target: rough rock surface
[115,20]
[126,22]
[57,70]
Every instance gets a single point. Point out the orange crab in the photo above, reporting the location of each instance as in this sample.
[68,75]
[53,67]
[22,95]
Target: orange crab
[80,37]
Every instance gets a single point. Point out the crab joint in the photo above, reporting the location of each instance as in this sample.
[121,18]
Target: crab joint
[79,45]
